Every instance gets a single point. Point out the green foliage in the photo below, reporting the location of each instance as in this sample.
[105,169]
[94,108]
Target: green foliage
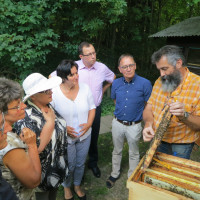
[88,20]
[107,107]
[36,34]
[25,34]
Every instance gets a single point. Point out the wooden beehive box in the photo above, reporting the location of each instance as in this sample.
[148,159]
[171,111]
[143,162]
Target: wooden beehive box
[181,182]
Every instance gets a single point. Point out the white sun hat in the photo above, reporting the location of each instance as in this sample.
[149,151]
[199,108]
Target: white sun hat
[36,82]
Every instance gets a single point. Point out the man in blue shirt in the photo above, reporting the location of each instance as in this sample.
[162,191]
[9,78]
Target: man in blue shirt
[130,94]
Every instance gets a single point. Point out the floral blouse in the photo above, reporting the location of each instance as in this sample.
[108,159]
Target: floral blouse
[14,142]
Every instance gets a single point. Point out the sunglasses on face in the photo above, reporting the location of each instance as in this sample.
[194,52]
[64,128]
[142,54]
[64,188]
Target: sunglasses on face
[46,91]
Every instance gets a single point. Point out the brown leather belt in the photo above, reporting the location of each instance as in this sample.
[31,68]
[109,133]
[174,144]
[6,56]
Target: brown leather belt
[127,123]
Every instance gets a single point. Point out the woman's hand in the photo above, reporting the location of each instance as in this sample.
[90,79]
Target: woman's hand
[28,137]
[84,129]
[48,128]
[71,132]
[48,114]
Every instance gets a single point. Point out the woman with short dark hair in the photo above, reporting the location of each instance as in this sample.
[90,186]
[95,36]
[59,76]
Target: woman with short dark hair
[75,103]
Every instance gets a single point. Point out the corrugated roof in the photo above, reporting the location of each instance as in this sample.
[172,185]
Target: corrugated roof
[188,27]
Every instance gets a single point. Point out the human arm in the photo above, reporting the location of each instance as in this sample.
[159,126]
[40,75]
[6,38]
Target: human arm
[48,128]
[178,109]
[107,85]
[86,126]
[26,167]
[148,132]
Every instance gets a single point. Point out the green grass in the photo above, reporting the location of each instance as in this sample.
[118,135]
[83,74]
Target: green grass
[96,187]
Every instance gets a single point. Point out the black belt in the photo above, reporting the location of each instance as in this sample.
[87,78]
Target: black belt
[127,123]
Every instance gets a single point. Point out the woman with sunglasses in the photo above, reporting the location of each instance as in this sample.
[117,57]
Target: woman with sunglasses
[19,160]
[50,129]
[75,103]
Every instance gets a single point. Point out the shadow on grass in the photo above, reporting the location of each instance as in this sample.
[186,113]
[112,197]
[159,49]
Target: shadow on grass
[96,187]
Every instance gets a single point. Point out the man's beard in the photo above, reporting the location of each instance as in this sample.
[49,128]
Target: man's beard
[171,82]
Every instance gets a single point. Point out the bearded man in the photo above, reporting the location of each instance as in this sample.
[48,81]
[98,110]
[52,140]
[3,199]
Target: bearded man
[179,90]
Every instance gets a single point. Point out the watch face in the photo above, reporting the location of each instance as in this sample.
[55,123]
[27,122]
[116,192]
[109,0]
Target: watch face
[186,115]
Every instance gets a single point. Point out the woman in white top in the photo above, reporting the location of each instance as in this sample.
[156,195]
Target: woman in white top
[74,102]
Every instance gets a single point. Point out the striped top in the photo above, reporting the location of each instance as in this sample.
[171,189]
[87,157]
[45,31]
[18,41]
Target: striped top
[188,93]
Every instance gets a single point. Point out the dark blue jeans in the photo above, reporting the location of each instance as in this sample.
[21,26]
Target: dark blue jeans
[175,149]
[6,191]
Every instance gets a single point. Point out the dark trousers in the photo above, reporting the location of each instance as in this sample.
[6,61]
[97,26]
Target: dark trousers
[6,191]
[93,151]
[47,195]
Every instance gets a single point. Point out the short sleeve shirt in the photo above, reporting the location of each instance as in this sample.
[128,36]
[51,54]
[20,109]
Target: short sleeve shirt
[14,142]
[94,78]
[130,97]
[66,108]
[188,93]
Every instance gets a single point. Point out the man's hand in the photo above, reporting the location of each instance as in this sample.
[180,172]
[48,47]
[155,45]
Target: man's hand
[177,109]
[148,133]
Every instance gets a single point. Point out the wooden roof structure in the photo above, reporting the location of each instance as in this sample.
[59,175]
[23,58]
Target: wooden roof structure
[188,27]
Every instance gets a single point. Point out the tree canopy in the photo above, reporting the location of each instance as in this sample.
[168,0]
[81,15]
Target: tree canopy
[36,34]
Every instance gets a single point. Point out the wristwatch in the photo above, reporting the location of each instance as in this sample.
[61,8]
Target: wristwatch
[185,116]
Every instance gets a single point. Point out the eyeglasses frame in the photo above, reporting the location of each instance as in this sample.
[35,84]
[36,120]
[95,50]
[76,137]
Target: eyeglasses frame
[125,67]
[16,107]
[3,126]
[90,54]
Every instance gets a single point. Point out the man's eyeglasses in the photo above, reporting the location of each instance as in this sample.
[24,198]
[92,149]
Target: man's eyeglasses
[2,124]
[90,54]
[126,66]
[16,107]
[46,92]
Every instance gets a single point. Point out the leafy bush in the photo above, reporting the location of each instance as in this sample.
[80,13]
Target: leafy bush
[107,106]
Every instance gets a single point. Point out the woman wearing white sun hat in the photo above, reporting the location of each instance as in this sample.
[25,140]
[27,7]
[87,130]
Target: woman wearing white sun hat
[50,129]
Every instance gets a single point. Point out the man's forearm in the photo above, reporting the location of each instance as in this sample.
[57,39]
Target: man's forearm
[192,121]
[148,115]
[106,87]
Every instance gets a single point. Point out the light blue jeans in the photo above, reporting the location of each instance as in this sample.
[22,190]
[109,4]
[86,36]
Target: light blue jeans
[77,153]
[175,149]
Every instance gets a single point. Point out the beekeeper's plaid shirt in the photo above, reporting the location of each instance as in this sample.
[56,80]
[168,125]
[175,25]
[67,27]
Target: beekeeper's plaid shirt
[189,94]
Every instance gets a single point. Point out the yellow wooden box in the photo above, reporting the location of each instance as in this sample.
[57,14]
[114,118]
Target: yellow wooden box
[181,181]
